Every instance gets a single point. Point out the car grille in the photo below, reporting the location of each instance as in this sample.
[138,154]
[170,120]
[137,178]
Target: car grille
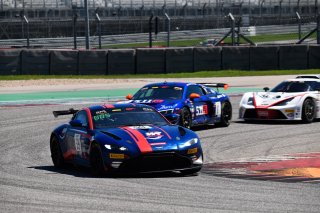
[157,162]
[272,114]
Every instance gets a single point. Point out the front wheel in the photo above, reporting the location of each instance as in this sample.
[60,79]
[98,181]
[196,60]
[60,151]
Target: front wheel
[56,153]
[96,161]
[226,114]
[185,118]
[308,111]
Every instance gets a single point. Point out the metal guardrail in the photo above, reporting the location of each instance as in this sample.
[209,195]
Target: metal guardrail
[67,42]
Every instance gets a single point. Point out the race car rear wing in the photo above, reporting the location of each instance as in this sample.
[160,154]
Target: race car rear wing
[65,112]
[216,85]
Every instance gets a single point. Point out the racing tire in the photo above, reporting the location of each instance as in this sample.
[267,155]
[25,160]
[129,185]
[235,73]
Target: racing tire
[308,111]
[190,171]
[185,118]
[96,161]
[226,114]
[56,153]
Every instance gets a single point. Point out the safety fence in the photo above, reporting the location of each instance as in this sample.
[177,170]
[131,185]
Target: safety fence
[157,60]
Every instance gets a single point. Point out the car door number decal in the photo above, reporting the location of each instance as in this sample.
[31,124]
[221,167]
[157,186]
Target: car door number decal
[77,142]
[202,110]
[218,109]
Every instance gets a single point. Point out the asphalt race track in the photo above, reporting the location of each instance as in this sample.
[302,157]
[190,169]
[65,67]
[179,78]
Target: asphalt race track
[30,183]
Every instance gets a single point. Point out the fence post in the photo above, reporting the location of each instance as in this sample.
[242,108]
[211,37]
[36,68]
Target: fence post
[318,29]
[150,30]
[75,17]
[99,26]
[168,29]
[299,24]
[87,27]
[232,28]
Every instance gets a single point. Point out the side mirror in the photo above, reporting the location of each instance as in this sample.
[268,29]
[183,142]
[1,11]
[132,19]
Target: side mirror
[129,97]
[266,89]
[194,96]
[75,123]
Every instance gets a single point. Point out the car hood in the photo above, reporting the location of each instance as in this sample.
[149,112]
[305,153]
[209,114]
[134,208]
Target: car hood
[148,138]
[266,99]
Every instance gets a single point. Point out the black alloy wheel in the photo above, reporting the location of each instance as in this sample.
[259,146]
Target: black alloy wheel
[308,111]
[226,114]
[185,118]
[96,161]
[56,153]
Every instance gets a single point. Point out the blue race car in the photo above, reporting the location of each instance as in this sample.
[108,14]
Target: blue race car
[132,138]
[187,104]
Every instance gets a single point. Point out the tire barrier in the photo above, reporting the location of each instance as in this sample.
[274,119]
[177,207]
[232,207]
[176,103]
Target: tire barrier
[264,58]
[207,58]
[121,61]
[10,62]
[236,58]
[156,60]
[64,62]
[35,62]
[293,57]
[314,57]
[150,60]
[179,60]
[93,62]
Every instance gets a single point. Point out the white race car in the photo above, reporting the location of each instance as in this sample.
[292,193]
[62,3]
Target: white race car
[292,99]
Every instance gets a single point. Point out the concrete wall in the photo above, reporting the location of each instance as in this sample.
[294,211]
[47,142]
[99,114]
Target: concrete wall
[156,60]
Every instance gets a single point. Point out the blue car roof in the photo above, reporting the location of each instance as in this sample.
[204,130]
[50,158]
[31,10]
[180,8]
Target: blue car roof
[178,84]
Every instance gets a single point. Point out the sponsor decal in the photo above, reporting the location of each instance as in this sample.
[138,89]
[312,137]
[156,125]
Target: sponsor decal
[154,135]
[218,108]
[116,156]
[116,110]
[158,144]
[101,116]
[157,101]
[140,127]
[77,142]
[148,101]
[192,151]
[101,112]
[108,106]
[289,110]
[202,110]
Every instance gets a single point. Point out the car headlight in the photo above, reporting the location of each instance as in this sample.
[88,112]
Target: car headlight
[114,147]
[284,102]
[250,101]
[190,142]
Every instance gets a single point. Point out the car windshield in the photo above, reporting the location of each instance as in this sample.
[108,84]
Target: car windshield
[159,92]
[135,116]
[294,86]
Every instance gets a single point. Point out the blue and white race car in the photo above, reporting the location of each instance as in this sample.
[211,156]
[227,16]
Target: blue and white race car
[128,138]
[187,104]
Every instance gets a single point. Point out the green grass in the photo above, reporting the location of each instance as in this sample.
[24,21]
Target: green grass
[196,42]
[203,74]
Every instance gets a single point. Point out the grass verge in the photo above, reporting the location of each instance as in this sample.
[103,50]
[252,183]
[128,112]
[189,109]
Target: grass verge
[196,42]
